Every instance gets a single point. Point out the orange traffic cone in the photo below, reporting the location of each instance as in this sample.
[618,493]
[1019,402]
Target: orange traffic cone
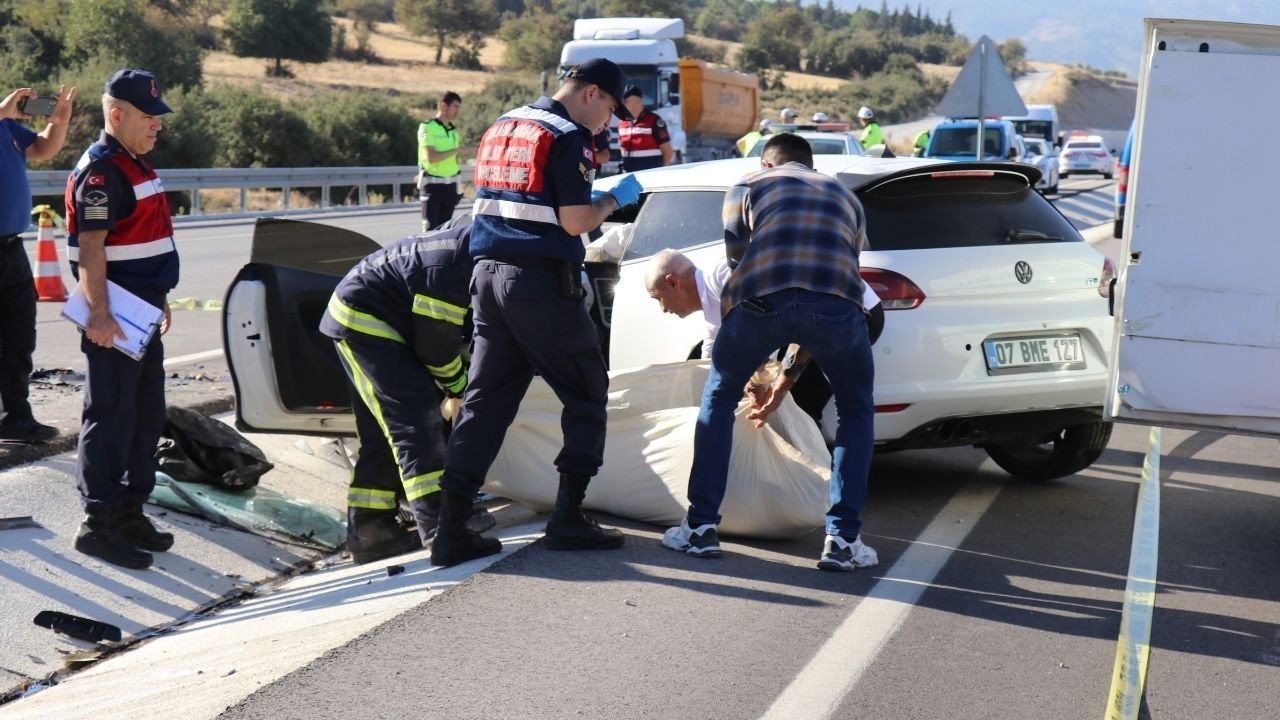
[48,275]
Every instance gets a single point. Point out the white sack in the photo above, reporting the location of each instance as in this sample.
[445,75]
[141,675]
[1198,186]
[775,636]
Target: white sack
[777,475]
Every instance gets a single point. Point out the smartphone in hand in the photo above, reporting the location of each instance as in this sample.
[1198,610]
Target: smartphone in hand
[42,105]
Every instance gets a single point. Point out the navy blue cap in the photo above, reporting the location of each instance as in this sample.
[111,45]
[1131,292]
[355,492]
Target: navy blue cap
[632,91]
[139,88]
[610,78]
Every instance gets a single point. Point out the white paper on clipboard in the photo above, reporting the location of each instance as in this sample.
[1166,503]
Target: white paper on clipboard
[137,318]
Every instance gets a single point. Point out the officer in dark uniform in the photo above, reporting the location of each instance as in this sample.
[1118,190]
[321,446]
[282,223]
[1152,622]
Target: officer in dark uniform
[399,320]
[533,200]
[119,229]
[643,141]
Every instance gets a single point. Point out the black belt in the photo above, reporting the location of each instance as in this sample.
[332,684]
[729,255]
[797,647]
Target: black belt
[536,263]
[6,239]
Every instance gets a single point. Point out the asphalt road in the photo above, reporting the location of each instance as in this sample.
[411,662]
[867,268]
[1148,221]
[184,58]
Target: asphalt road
[1019,621]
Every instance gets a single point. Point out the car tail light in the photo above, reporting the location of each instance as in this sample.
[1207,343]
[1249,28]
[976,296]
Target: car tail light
[899,407]
[895,291]
[1108,274]
[1099,155]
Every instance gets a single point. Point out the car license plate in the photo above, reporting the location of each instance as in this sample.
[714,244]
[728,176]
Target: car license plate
[1034,354]
[1080,165]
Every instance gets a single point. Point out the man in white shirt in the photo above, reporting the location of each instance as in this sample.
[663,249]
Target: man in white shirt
[682,288]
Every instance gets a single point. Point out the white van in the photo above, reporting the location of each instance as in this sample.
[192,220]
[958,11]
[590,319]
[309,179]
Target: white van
[1197,341]
[1040,121]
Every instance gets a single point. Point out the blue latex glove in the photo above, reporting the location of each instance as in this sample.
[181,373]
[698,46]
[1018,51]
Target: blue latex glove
[627,191]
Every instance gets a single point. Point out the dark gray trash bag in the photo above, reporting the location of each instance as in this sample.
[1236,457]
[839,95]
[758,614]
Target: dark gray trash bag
[195,448]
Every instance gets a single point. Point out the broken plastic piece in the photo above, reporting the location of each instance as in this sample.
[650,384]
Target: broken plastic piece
[78,627]
[21,521]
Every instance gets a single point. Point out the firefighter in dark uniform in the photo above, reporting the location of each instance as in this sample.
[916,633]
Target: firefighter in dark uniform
[399,322]
[438,167]
[644,141]
[119,229]
[533,200]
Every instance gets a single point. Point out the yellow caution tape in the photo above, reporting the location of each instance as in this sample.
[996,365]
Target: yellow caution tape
[194,304]
[1129,677]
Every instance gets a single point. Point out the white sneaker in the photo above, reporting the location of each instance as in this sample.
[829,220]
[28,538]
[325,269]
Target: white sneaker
[702,541]
[840,554]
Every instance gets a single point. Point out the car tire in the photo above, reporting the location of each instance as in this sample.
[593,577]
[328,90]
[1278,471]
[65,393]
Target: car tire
[1107,175]
[1063,174]
[1053,190]
[1061,453]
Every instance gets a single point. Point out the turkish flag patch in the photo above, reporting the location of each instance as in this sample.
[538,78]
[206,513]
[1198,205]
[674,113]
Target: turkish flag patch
[586,153]
[95,180]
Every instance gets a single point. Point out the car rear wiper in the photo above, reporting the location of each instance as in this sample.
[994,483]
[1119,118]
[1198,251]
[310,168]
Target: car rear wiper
[1022,236]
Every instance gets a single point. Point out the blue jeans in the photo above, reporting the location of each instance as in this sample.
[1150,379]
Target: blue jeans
[834,330]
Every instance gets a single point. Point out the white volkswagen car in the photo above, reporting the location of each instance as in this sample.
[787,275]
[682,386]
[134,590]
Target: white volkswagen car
[995,329]
[997,320]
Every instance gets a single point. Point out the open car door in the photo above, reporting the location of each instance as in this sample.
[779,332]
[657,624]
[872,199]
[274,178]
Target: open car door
[1197,340]
[286,374]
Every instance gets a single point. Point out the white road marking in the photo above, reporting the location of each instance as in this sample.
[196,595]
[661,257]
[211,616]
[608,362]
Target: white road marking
[816,692]
[173,362]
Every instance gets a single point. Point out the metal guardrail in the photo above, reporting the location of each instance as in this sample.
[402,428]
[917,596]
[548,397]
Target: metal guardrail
[54,182]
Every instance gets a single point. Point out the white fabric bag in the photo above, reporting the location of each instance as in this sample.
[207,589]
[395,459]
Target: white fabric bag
[778,474]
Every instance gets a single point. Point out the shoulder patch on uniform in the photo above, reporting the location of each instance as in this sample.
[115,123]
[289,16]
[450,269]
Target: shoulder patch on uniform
[586,153]
[588,174]
[95,180]
[659,123]
[95,197]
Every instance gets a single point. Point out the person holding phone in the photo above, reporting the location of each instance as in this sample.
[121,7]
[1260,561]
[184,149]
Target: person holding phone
[18,144]
[792,236]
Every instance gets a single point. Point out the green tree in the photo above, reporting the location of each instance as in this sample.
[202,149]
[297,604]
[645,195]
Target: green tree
[123,33]
[460,24]
[1014,54]
[534,40]
[364,13]
[776,39]
[645,8]
[279,30]
[363,128]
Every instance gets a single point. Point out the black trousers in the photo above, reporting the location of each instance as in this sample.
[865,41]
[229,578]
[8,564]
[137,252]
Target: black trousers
[17,330]
[525,323]
[122,421]
[438,203]
[397,412]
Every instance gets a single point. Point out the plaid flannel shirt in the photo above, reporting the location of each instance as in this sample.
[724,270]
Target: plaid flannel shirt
[791,227]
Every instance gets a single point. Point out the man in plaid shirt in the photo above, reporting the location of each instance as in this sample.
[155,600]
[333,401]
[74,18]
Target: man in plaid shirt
[792,237]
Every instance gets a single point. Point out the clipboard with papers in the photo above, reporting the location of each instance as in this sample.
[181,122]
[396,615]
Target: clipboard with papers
[137,318]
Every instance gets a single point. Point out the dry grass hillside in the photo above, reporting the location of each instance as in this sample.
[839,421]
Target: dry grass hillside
[405,66]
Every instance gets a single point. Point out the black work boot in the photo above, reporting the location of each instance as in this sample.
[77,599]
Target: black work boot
[99,537]
[455,542]
[572,529]
[136,527]
[374,535]
[426,513]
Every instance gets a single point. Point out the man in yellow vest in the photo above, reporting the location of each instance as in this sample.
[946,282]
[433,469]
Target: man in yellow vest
[748,141]
[922,142]
[870,128]
[438,162]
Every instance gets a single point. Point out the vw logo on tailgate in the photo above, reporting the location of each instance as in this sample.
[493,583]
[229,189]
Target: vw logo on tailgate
[1022,271]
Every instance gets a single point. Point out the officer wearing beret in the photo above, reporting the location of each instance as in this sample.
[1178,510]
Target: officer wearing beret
[119,229]
[533,201]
